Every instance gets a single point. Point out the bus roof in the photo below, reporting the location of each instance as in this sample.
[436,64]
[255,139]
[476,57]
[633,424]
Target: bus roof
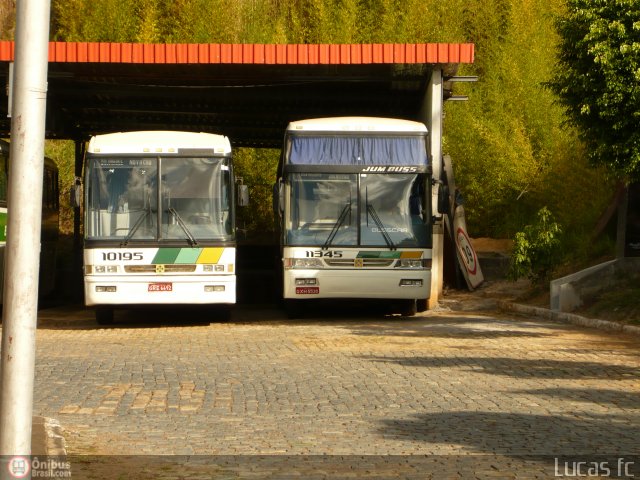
[357,124]
[158,141]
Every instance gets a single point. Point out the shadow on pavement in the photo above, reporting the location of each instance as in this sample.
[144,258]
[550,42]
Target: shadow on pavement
[522,368]
[521,435]
[78,317]
[600,396]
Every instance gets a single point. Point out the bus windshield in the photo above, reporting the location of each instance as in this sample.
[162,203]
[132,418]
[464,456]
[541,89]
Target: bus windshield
[152,199]
[366,210]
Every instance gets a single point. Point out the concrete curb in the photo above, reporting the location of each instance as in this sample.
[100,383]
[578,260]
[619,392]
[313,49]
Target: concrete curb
[571,318]
[47,438]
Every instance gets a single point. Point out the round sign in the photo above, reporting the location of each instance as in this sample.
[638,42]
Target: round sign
[468,254]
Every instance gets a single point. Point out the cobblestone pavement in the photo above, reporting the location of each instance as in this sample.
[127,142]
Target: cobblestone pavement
[451,393]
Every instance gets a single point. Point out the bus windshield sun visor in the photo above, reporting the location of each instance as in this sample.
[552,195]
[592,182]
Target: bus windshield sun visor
[396,150]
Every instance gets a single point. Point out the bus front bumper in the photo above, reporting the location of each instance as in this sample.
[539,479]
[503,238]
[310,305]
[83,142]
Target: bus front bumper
[149,290]
[392,284]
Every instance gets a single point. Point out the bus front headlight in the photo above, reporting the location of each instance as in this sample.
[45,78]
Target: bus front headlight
[103,268]
[302,263]
[414,263]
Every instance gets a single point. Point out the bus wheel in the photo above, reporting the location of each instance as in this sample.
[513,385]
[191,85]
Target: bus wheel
[408,308]
[104,316]
[422,305]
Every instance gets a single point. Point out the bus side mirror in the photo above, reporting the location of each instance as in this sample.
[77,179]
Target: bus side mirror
[443,198]
[243,195]
[280,196]
[75,194]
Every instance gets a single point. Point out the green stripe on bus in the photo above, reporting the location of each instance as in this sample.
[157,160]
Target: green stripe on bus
[188,255]
[390,254]
[166,256]
[381,254]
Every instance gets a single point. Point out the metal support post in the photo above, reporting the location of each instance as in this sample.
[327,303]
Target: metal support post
[23,227]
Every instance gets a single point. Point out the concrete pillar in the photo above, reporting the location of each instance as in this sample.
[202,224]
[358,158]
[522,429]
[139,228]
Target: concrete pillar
[431,114]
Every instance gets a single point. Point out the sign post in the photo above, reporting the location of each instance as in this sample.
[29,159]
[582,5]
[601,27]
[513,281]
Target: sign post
[17,367]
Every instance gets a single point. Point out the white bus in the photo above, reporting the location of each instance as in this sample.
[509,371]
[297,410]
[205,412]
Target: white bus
[159,220]
[353,200]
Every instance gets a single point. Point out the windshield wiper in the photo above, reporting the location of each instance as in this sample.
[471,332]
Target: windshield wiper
[135,227]
[177,216]
[371,211]
[343,215]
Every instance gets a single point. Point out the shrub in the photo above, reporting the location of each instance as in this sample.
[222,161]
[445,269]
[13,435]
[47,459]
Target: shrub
[536,250]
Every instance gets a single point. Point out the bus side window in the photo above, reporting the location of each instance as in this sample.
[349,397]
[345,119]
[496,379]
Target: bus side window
[415,198]
[117,185]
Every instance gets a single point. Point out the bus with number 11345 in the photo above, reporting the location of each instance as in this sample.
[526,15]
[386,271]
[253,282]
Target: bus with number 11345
[353,200]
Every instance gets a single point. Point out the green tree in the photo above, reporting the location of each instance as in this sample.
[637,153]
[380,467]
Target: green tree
[90,21]
[257,169]
[7,19]
[536,250]
[63,153]
[511,151]
[598,79]
[148,32]
[503,139]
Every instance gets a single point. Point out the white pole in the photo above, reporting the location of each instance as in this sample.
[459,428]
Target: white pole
[23,227]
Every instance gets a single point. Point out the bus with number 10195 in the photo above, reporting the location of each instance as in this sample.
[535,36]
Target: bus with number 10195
[159,220]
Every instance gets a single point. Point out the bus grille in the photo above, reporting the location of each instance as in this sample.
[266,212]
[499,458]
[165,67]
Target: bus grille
[360,262]
[177,268]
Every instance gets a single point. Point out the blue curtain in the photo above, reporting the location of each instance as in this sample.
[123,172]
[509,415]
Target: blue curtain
[343,150]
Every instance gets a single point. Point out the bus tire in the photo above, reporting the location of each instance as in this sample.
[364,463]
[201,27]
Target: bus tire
[104,316]
[408,308]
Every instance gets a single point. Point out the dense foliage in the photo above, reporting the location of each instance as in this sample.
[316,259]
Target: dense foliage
[598,79]
[510,150]
[7,18]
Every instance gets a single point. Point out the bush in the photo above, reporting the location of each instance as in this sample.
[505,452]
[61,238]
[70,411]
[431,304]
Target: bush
[536,250]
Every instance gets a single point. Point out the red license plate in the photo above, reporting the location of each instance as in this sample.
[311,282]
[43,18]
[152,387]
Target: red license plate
[307,290]
[161,287]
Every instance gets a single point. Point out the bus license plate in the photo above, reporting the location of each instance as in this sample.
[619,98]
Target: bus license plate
[161,287]
[307,290]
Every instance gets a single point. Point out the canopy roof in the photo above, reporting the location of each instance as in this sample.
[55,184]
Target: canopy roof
[248,92]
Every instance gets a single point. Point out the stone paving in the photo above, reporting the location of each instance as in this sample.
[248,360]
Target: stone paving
[447,394]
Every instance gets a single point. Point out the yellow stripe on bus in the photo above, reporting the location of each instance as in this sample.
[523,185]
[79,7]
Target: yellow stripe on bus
[210,255]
